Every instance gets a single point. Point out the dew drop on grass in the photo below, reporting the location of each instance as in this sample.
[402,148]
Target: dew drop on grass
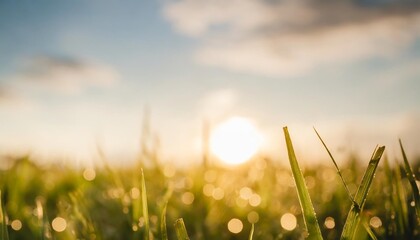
[187,198]
[169,171]
[329,223]
[310,182]
[208,190]
[135,228]
[141,222]
[89,174]
[288,221]
[135,193]
[126,210]
[253,217]
[375,222]
[59,224]
[16,225]
[328,175]
[235,225]
[255,200]
[240,202]
[245,193]
[218,193]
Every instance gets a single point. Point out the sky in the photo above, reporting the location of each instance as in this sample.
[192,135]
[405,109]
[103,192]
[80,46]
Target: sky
[75,75]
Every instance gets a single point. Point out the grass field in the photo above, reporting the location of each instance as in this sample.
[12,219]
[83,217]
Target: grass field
[257,200]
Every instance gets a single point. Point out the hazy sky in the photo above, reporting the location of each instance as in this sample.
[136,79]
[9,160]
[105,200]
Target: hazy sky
[74,74]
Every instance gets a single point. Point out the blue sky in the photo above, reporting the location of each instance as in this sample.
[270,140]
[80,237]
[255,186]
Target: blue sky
[74,74]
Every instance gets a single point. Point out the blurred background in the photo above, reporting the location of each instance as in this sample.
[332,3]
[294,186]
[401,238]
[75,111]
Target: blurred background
[78,74]
[196,92]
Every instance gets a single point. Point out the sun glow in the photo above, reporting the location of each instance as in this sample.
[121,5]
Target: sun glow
[235,141]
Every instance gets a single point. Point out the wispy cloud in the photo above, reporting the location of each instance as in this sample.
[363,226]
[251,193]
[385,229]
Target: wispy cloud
[406,70]
[10,98]
[294,36]
[217,104]
[66,75]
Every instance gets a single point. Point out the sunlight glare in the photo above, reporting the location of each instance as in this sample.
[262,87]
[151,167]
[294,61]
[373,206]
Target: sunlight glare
[235,141]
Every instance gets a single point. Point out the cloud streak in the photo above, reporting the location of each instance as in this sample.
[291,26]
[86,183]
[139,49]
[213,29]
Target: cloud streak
[66,75]
[288,38]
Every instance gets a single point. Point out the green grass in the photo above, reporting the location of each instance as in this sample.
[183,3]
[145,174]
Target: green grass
[145,207]
[181,231]
[251,233]
[358,201]
[353,217]
[412,179]
[336,166]
[311,221]
[107,208]
[163,229]
[4,232]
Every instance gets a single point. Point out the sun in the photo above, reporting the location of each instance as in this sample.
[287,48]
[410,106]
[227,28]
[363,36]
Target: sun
[235,141]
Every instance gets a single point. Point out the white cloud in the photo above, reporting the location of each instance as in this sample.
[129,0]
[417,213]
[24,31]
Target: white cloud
[216,104]
[196,18]
[67,75]
[292,37]
[402,71]
[10,100]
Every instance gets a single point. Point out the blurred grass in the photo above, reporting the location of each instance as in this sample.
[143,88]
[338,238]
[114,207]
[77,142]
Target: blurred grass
[4,231]
[181,231]
[259,192]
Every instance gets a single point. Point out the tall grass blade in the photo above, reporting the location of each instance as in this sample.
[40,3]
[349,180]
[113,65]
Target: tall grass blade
[181,231]
[251,233]
[400,198]
[43,222]
[412,179]
[353,218]
[144,206]
[163,230]
[392,199]
[369,230]
[114,175]
[80,213]
[136,204]
[336,166]
[305,201]
[4,232]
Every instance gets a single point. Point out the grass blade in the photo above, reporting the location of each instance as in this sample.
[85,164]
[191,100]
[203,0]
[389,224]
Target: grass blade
[412,179]
[181,231]
[144,206]
[40,215]
[4,232]
[305,200]
[353,218]
[251,233]
[369,230]
[336,166]
[163,230]
[400,198]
